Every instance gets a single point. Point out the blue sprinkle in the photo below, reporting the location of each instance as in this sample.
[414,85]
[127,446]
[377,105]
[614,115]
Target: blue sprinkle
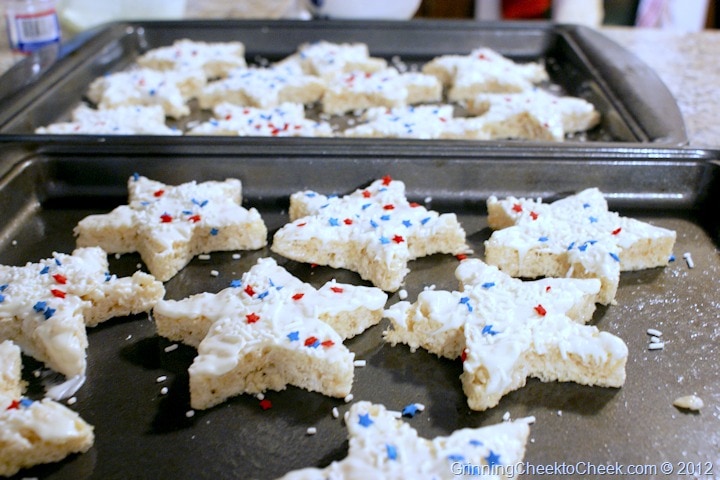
[671,259]
[476,443]
[593,220]
[614,256]
[315,344]
[311,195]
[571,246]
[586,205]
[264,294]
[187,212]
[583,247]
[384,240]
[136,176]
[407,223]
[385,218]
[26,402]
[488,330]
[152,92]
[466,301]
[58,263]
[488,285]
[144,203]
[373,224]
[492,459]
[40,306]
[334,222]
[543,239]
[410,410]
[236,283]
[456,458]
[200,204]
[391,452]
[108,277]
[45,270]
[214,232]
[3,287]
[293,336]
[2,298]
[366,206]
[365,420]
[49,312]
[425,220]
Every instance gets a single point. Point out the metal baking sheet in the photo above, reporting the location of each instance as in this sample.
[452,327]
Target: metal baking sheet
[636,106]
[143,434]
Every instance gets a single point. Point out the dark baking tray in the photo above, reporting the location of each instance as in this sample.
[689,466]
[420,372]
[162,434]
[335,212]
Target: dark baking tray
[636,106]
[142,434]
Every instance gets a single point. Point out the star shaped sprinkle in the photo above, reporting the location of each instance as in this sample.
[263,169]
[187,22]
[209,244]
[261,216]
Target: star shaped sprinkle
[483,71]
[25,435]
[46,306]
[374,231]
[575,237]
[268,330]
[168,225]
[506,330]
[383,446]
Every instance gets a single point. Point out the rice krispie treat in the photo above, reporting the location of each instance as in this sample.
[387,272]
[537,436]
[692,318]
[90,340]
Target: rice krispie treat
[168,225]
[533,114]
[483,71]
[46,306]
[170,89]
[326,60]
[216,59]
[123,120]
[263,88]
[348,309]
[34,432]
[384,446]
[573,237]
[374,231]
[270,330]
[285,120]
[506,330]
[384,88]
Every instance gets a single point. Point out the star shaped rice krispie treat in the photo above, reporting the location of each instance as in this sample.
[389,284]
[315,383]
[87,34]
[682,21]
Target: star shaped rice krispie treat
[483,71]
[168,225]
[533,115]
[384,88]
[34,432]
[216,59]
[374,231]
[45,306]
[263,88]
[270,330]
[171,89]
[506,330]
[576,236]
[123,120]
[326,59]
[285,120]
[348,309]
[383,446]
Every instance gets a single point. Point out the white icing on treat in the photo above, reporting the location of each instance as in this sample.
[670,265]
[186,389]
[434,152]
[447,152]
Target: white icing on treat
[483,71]
[45,306]
[269,330]
[576,236]
[423,122]
[383,446]
[349,309]
[374,231]
[170,89]
[326,59]
[385,88]
[34,432]
[533,114]
[122,120]
[285,120]
[507,330]
[263,88]
[168,225]
[216,59]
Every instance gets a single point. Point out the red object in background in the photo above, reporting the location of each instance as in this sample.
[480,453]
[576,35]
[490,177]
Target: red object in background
[520,9]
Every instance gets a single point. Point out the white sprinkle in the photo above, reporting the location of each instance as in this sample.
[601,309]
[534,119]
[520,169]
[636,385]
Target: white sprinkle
[260,396]
[656,346]
[161,378]
[138,266]
[214,273]
[689,260]
[559,413]
[428,199]
[335,412]
[506,416]
[530,420]
[37,373]
[360,363]
[654,339]
[190,413]
[689,402]
[171,348]
[204,256]
[128,337]
[236,256]
[164,391]
[117,256]
[349,398]
[311,430]
[72,401]
[654,332]
[420,407]
[403,294]
[14,242]
[395,413]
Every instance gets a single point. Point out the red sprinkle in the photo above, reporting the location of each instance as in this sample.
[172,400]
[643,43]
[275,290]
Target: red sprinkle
[327,343]
[389,207]
[616,231]
[414,204]
[348,221]
[463,355]
[517,208]
[194,218]
[159,193]
[313,265]
[337,289]
[166,218]
[301,224]
[398,239]
[57,293]
[252,317]
[310,341]
[250,290]
[548,288]
[14,405]
[366,194]
[461,256]
[298,296]
[265,404]
[61,279]
[541,310]
[534,215]
[386,180]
